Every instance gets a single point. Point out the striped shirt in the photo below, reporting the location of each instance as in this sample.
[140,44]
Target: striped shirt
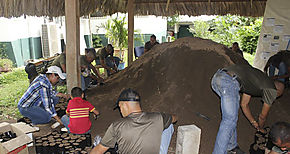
[39,93]
[79,110]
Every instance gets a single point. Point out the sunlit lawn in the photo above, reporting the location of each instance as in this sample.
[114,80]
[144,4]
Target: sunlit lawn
[250,58]
[12,87]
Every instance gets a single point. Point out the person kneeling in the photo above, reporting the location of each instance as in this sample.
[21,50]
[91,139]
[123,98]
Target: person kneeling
[78,109]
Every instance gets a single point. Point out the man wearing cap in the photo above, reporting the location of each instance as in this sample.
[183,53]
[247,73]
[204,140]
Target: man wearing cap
[38,102]
[105,57]
[227,83]
[137,132]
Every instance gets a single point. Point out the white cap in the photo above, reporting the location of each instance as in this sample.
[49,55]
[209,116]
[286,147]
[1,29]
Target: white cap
[56,70]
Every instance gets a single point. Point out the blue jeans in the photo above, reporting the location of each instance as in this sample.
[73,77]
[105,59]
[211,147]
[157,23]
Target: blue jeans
[65,120]
[37,114]
[165,139]
[227,88]
[85,81]
[55,99]
[109,62]
[282,71]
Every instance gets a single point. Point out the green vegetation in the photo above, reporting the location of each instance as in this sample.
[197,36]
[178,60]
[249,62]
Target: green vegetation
[3,54]
[249,57]
[172,20]
[6,63]
[228,29]
[97,41]
[12,87]
[117,33]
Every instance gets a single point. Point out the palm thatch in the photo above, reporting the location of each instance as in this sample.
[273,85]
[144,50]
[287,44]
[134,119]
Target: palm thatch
[54,8]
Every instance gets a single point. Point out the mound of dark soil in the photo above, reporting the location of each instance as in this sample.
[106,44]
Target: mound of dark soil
[175,78]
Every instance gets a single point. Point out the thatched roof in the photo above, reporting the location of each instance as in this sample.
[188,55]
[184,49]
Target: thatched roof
[53,8]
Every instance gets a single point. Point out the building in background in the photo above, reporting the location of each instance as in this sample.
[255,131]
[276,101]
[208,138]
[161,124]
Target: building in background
[30,37]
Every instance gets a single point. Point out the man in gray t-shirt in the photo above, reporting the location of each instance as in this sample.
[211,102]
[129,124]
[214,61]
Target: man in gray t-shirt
[228,83]
[138,132]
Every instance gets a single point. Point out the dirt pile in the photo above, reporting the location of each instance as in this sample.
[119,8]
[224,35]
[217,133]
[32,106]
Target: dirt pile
[175,78]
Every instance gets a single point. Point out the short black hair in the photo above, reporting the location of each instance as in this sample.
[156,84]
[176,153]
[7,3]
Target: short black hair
[280,130]
[128,95]
[87,50]
[235,43]
[76,92]
[109,46]
[153,36]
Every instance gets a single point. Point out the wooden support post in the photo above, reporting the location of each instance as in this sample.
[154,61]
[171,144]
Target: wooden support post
[130,8]
[72,24]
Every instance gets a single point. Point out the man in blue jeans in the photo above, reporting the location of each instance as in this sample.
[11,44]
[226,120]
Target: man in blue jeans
[227,83]
[38,102]
[138,131]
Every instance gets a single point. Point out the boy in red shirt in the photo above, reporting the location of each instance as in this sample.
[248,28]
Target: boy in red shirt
[78,110]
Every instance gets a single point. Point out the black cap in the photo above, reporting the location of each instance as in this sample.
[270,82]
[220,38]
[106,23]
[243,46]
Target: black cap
[128,95]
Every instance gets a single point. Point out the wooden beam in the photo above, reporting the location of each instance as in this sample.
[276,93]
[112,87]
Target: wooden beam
[130,8]
[72,24]
[195,1]
[167,5]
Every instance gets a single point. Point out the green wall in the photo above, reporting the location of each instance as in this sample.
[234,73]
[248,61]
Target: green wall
[23,49]
[87,40]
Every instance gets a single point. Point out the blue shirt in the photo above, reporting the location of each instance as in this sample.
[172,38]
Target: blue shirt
[39,93]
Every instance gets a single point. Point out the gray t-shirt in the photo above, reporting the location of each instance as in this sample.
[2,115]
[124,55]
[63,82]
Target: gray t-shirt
[83,61]
[254,82]
[138,133]
[102,54]
[59,60]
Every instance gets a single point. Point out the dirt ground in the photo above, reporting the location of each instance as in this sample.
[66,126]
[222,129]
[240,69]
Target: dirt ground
[175,78]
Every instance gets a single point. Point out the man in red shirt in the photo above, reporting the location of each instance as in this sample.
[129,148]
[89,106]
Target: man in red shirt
[78,110]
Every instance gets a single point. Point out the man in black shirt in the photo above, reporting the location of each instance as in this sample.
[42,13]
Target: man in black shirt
[151,43]
[227,83]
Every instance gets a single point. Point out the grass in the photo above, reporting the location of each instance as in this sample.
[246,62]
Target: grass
[250,58]
[12,86]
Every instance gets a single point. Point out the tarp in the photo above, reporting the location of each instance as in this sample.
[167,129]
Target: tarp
[275,31]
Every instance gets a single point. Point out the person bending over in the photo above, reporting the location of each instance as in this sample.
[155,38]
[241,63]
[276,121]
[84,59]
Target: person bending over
[228,82]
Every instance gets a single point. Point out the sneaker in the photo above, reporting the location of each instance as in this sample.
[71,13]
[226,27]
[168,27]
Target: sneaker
[236,150]
[64,129]
[55,125]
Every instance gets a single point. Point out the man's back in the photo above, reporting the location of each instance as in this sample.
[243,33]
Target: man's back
[138,133]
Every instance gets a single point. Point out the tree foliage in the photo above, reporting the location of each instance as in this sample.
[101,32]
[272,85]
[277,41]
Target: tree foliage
[3,51]
[228,29]
[172,20]
[117,32]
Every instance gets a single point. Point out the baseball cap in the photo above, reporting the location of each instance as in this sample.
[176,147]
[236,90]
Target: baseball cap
[128,95]
[56,70]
